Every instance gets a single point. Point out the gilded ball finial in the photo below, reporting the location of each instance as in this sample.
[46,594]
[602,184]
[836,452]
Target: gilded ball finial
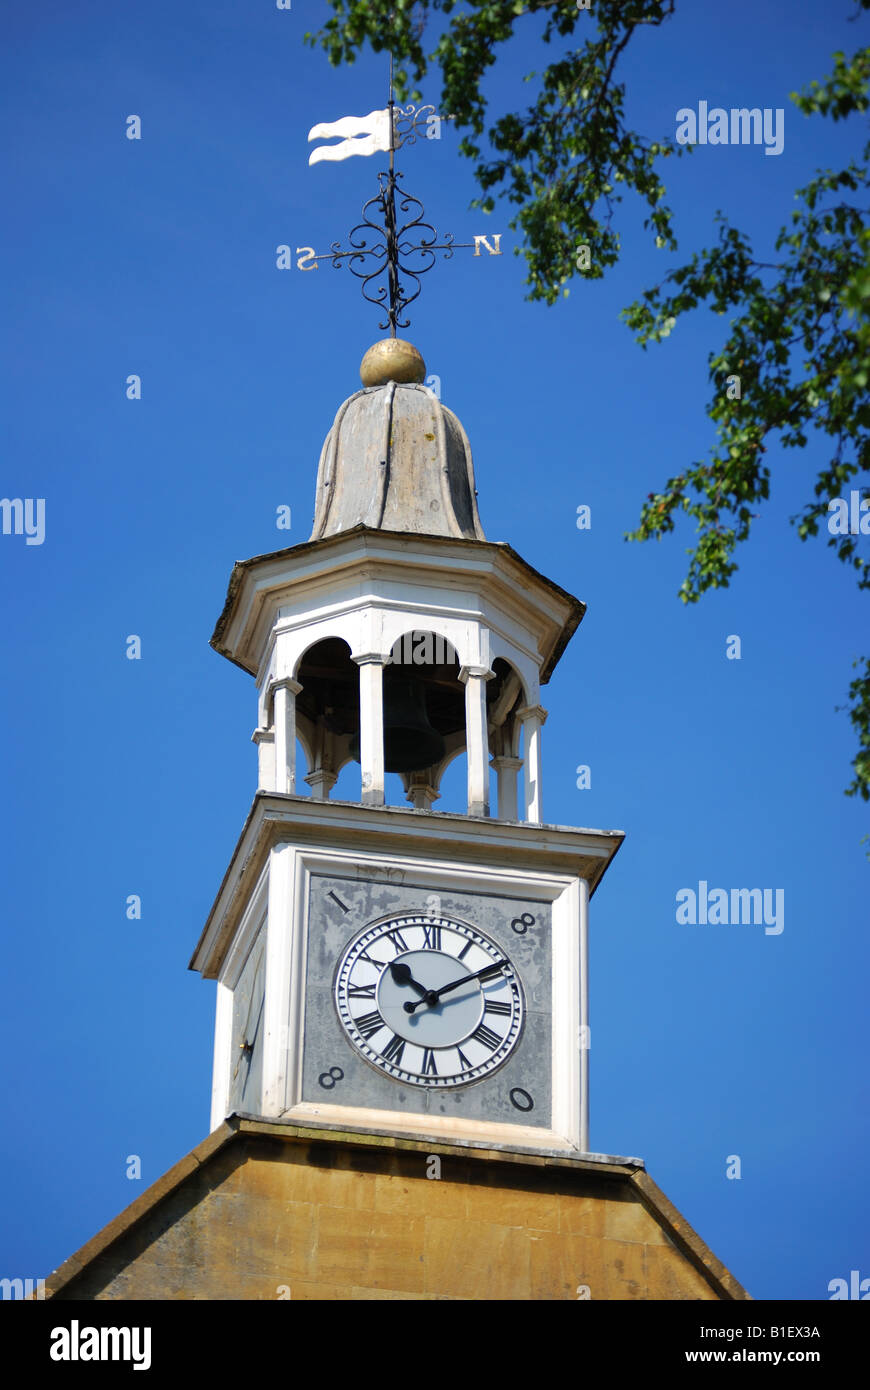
[392,359]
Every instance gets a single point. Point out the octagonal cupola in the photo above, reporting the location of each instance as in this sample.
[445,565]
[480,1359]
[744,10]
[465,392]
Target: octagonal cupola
[397,636]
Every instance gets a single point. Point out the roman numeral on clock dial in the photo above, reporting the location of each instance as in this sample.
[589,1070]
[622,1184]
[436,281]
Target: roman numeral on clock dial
[394,1049]
[368,992]
[368,1024]
[430,989]
[486,1036]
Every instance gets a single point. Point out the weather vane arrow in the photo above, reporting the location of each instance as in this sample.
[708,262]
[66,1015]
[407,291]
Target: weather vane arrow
[387,254]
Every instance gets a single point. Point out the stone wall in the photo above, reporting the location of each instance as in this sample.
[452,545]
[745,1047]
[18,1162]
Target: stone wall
[260,1213]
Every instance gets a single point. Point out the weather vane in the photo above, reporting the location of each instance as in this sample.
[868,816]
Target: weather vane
[387,254]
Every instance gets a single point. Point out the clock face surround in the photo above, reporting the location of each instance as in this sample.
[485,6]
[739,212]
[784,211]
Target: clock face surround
[350,1062]
[429,1000]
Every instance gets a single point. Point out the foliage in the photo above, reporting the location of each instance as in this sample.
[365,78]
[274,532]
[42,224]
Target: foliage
[799,338]
[800,345]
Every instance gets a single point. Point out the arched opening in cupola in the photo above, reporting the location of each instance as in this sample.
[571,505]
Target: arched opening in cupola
[327,718]
[452,734]
[505,696]
[424,716]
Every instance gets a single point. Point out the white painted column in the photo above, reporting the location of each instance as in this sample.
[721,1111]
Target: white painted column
[322,777]
[283,1002]
[476,737]
[585,1031]
[421,791]
[533,718]
[284,692]
[506,770]
[221,1075]
[321,781]
[265,741]
[371,727]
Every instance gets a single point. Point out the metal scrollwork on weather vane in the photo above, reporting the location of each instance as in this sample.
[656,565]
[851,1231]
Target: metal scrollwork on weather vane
[388,250]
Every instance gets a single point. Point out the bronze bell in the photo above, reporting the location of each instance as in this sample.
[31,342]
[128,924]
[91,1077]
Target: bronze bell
[410,742]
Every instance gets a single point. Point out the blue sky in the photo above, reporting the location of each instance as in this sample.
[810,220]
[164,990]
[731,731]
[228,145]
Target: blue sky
[157,257]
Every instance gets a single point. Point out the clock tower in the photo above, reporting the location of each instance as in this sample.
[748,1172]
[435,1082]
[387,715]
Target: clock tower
[397,968]
[400,1086]
[400,1093]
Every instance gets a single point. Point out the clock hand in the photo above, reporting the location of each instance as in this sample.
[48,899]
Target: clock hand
[402,975]
[487,970]
[245,1047]
[434,995]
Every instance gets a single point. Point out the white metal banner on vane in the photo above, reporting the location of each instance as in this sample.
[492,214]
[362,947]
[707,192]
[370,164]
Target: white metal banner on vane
[373,132]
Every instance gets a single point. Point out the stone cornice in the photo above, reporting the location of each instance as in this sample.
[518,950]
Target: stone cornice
[443,836]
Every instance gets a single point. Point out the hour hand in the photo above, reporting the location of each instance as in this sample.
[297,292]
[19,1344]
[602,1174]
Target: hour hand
[402,976]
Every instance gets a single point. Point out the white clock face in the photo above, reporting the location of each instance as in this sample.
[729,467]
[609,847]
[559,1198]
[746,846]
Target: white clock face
[429,1000]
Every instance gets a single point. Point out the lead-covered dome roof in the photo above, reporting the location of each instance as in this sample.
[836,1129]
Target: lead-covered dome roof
[396,459]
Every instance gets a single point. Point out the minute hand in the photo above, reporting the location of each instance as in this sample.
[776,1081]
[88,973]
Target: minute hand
[454,984]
